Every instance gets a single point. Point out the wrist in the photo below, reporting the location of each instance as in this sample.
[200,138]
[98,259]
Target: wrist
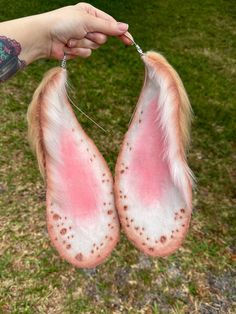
[32,35]
[36,42]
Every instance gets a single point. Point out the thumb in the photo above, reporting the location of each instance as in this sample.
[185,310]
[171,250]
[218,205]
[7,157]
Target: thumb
[107,27]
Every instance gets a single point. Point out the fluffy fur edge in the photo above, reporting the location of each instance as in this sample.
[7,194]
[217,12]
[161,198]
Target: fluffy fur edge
[33,118]
[176,115]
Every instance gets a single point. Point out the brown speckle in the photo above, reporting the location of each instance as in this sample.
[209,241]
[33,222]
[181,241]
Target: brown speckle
[172,236]
[103,174]
[148,238]
[104,203]
[182,210]
[127,225]
[163,239]
[79,257]
[140,233]
[110,212]
[143,243]
[106,237]
[110,238]
[177,230]
[73,130]
[70,227]
[141,112]
[68,246]
[136,228]
[180,217]
[139,121]
[143,228]
[131,220]
[130,148]
[125,196]
[56,217]
[63,231]
[101,244]
[183,225]
[122,171]
[92,251]
[125,207]
[151,249]
[55,239]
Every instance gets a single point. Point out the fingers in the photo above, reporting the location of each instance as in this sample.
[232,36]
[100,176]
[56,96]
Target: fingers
[78,52]
[99,22]
[94,11]
[127,38]
[83,47]
[98,38]
[107,27]
[82,43]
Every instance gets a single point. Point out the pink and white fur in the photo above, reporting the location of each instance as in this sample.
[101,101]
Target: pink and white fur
[153,183]
[81,217]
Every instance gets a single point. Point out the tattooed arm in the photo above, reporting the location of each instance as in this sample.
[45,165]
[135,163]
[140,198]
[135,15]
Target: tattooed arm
[74,30]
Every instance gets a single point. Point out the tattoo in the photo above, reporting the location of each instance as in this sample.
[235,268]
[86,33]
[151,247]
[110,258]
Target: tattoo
[9,61]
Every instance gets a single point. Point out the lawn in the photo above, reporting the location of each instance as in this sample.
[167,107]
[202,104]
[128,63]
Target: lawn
[198,39]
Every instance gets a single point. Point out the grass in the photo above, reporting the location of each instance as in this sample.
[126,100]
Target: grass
[198,38]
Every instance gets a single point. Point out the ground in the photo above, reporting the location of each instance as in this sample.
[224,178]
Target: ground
[198,39]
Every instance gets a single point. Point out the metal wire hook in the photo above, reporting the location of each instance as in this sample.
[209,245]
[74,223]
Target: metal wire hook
[138,48]
[63,62]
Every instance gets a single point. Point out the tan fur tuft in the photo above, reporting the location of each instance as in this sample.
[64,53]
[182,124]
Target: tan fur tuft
[185,111]
[33,118]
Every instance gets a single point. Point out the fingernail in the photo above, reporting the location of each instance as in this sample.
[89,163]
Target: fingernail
[123,26]
[71,43]
[130,37]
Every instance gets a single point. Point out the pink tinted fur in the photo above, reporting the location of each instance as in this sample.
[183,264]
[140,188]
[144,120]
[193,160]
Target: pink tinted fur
[78,179]
[150,171]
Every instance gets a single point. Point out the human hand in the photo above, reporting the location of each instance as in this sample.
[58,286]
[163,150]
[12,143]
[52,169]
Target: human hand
[79,29]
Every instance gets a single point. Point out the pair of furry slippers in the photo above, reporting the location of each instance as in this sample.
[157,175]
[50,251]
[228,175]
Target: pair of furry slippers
[152,192]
